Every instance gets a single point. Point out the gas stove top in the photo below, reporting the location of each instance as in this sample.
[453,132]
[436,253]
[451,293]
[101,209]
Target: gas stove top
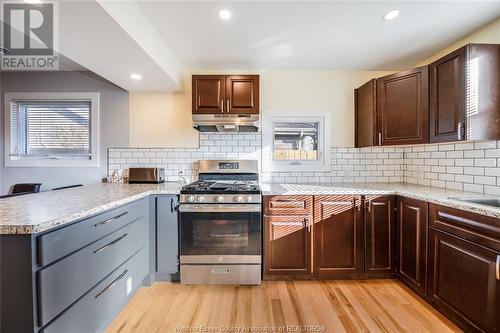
[221,187]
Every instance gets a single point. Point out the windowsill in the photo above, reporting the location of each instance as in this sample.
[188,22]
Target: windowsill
[51,163]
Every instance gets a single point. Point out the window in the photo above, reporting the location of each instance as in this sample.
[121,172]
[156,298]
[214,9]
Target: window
[51,129]
[296,141]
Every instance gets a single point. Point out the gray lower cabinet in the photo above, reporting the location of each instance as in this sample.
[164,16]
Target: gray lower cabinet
[99,306]
[78,277]
[167,242]
[61,284]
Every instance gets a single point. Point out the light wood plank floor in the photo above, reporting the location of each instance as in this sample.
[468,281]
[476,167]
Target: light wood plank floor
[320,306]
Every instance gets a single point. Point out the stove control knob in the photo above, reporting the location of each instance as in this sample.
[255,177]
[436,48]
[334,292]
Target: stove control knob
[200,199]
[191,198]
[219,199]
[239,198]
[249,198]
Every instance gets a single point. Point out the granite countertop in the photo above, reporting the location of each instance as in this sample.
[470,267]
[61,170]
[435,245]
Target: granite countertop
[34,213]
[38,212]
[425,193]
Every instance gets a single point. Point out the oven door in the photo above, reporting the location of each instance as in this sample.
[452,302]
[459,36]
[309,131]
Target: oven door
[227,233]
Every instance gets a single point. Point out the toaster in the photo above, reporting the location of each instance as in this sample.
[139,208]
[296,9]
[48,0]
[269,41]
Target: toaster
[146,175]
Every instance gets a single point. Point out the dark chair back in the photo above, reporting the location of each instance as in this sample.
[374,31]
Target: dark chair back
[26,188]
[70,186]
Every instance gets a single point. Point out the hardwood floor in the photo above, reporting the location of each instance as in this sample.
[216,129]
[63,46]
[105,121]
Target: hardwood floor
[320,306]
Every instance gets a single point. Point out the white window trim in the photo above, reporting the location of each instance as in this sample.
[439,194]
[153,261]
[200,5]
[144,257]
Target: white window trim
[93,162]
[321,165]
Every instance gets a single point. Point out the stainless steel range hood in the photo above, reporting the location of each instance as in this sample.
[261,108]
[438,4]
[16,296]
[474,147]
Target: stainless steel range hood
[226,122]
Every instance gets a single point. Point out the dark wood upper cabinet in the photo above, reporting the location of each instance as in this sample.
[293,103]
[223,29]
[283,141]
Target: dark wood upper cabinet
[403,107]
[462,282]
[483,92]
[338,237]
[447,97]
[287,246]
[208,93]
[379,236]
[242,94]
[365,103]
[465,94]
[214,94]
[411,245]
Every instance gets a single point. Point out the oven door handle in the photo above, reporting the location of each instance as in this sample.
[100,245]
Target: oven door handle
[210,208]
[228,235]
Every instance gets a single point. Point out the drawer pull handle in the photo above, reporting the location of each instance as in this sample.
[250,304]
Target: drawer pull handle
[498,267]
[221,270]
[110,244]
[112,284]
[111,219]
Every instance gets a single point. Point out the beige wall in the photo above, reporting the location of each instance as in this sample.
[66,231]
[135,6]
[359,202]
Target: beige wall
[490,33]
[164,119]
[329,90]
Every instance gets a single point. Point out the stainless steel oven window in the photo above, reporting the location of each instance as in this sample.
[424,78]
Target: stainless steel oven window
[220,233]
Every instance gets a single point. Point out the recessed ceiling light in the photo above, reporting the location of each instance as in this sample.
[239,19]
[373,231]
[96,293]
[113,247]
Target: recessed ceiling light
[32,1]
[391,15]
[136,76]
[224,14]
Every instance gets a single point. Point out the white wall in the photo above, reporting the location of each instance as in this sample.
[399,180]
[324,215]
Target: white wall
[113,125]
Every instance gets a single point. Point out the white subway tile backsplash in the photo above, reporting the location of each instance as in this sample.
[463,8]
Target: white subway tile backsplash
[468,166]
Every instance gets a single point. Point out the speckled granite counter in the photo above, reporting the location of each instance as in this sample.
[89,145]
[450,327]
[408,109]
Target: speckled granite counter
[425,193]
[34,213]
[40,212]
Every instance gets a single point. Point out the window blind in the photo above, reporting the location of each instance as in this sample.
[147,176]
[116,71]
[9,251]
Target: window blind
[57,129]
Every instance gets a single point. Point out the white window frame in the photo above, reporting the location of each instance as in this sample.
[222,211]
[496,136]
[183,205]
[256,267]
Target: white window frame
[322,164]
[93,162]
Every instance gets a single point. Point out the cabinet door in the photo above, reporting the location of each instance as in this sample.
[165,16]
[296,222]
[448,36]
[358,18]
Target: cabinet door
[242,94]
[379,236]
[447,97]
[208,93]
[403,107]
[287,245]
[411,242]
[365,114]
[338,237]
[167,243]
[463,282]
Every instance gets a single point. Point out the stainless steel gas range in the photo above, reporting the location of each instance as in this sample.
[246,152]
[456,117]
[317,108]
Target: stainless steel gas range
[220,225]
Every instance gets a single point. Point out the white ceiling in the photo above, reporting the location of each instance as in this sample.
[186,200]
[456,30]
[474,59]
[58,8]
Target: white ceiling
[313,35]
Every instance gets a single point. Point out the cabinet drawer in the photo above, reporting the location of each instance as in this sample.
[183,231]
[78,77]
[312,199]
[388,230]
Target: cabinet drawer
[477,228]
[288,205]
[97,309]
[59,243]
[61,284]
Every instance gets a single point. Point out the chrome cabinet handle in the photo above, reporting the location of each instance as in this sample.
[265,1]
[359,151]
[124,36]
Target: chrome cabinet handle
[221,106]
[498,267]
[369,205]
[359,206]
[112,284]
[380,138]
[308,224]
[228,106]
[110,244]
[459,131]
[111,219]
